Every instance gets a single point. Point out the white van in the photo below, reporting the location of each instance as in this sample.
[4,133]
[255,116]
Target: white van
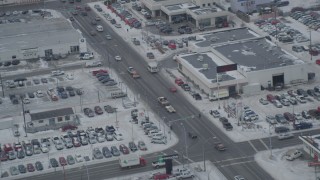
[153,132]
[118,94]
[99,28]
[153,67]
[117,135]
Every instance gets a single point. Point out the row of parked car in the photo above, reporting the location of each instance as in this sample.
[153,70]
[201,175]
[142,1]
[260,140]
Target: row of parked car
[98,110]
[292,97]
[125,15]
[280,31]
[309,18]
[9,63]
[104,77]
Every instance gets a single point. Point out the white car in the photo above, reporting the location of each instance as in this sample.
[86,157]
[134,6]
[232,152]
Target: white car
[294,155]
[117,58]
[143,11]
[57,73]
[285,136]
[170,109]
[78,158]
[44,148]
[39,94]
[239,177]
[26,100]
[70,76]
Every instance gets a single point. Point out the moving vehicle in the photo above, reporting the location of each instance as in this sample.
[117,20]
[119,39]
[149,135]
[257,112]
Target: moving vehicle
[158,164]
[163,101]
[86,56]
[99,28]
[285,136]
[170,109]
[153,67]
[93,64]
[219,146]
[131,160]
[293,155]
[133,72]
[222,93]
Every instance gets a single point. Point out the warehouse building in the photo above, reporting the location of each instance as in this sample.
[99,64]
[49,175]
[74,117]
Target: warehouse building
[199,12]
[258,63]
[39,38]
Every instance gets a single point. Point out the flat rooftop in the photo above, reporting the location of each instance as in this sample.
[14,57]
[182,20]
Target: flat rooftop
[180,6]
[206,67]
[37,33]
[225,36]
[257,54]
[206,11]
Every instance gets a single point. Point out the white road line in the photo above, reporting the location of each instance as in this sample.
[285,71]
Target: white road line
[237,163]
[264,144]
[254,148]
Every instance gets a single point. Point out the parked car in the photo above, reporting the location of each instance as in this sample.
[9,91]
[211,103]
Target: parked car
[281,129]
[54,162]
[97,154]
[88,112]
[109,109]
[14,171]
[115,151]
[39,166]
[124,149]
[63,161]
[106,152]
[70,160]
[263,101]
[142,146]
[78,158]
[280,118]
[98,110]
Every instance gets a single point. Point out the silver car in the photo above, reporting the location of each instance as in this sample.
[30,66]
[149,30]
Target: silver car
[97,154]
[14,170]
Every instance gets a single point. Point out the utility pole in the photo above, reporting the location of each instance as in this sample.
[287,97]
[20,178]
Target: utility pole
[270,144]
[2,88]
[310,51]
[185,141]
[24,117]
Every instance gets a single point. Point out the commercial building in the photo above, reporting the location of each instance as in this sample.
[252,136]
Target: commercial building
[17,2]
[39,38]
[199,12]
[311,147]
[50,119]
[259,63]
[246,6]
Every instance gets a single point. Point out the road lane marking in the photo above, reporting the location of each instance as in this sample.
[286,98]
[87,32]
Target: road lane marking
[254,148]
[237,163]
[262,142]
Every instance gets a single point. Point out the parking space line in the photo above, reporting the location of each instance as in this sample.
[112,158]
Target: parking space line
[264,144]
[254,148]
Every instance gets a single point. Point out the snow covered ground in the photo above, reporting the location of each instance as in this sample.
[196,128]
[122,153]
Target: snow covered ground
[211,173]
[280,168]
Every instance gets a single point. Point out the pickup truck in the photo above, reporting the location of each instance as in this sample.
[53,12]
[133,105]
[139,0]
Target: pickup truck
[163,101]
[158,164]
[133,72]
[170,109]
[86,56]
[93,64]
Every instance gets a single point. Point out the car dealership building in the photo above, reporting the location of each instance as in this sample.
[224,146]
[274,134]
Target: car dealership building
[259,63]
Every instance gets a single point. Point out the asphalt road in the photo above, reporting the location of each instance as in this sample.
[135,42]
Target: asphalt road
[237,159]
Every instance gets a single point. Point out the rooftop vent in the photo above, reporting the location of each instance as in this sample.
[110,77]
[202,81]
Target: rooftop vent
[205,66]
[200,58]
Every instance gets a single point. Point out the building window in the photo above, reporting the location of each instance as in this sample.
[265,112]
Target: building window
[40,121]
[209,4]
[253,2]
[13,57]
[60,119]
[67,117]
[204,5]
[242,4]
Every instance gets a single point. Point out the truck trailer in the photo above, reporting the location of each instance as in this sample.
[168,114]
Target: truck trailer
[131,160]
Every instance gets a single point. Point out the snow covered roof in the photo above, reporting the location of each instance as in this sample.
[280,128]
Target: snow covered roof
[257,54]
[51,113]
[312,141]
[224,36]
[37,33]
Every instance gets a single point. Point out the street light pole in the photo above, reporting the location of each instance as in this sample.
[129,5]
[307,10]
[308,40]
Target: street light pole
[204,153]
[2,88]
[270,144]
[185,141]
[24,117]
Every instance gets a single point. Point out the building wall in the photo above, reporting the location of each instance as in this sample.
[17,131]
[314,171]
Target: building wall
[37,52]
[8,2]
[45,122]
[293,72]
[246,5]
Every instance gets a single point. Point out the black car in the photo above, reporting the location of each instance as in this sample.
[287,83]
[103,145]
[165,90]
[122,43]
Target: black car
[83,13]
[31,95]
[113,21]
[79,92]
[281,129]
[89,112]
[186,87]
[60,89]
[54,162]
[197,96]
[109,109]
[106,152]
[133,146]
[71,93]
[22,169]
[7,63]
[110,129]
[302,125]
[44,80]
[192,135]
[39,166]
[63,95]
[15,62]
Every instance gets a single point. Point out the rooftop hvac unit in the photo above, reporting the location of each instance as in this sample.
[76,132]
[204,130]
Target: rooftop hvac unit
[200,58]
[205,66]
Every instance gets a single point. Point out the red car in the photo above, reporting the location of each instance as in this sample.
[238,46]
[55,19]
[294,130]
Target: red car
[76,142]
[62,161]
[124,149]
[78,8]
[7,147]
[68,127]
[318,61]
[172,46]
[17,145]
[98,110]
[94,73]
[87,8]
[178,81]
[30,167]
